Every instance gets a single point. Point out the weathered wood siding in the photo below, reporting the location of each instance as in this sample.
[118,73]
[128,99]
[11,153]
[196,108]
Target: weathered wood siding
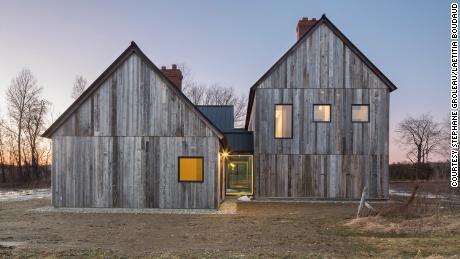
[331,160]
[120,148]
[325,176]
[134,101]
[132,172]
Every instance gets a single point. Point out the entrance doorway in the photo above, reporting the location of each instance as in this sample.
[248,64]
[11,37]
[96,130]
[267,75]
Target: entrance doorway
[239,178]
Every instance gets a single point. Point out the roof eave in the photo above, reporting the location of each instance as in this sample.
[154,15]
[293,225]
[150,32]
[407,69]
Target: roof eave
[252,89]
[355,50]
[104,76]
[133,48]
[391,86]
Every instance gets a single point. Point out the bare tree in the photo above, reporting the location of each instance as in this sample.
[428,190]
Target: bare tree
[35,121]
[10,143]
[45,153]
[3,150]
[195,93]
[215,94]
[240,108]
[187,76]
[422,136]
[21,94]
[78,86]
[193,90]
[218,95]
[445,138]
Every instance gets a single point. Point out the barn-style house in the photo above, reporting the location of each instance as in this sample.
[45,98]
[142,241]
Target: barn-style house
[317,127]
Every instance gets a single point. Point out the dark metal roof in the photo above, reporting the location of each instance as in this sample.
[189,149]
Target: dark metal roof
[240,141]
[339,34]
[220,115]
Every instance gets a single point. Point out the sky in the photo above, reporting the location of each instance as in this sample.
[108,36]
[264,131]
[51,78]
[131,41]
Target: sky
[232,43]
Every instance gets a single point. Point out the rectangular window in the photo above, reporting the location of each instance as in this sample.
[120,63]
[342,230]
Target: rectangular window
[360,113]
[322,113]
[283,121]
[190,169]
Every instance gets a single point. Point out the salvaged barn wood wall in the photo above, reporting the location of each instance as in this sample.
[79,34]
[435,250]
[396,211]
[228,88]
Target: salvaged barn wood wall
[132,172]
[330,160]
[120,147]
[134,101]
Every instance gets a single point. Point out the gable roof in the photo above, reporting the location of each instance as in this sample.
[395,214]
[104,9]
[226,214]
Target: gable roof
[340,35]
[133,48]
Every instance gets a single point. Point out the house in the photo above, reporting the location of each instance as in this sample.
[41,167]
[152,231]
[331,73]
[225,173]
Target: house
[133,140]
[316,127]
[320,117]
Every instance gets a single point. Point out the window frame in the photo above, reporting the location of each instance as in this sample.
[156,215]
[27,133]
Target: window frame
[292,120]
[368,112]
[202,169]
[322,104]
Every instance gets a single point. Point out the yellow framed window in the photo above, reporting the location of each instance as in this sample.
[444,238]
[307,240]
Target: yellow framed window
[191,169]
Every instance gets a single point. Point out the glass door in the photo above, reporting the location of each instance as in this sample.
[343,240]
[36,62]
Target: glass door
[239,175]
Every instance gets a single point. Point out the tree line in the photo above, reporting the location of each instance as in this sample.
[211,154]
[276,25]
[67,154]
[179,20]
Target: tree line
[423,138]
[24,154]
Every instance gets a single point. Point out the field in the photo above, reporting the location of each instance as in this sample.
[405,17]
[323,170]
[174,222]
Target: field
[260,230]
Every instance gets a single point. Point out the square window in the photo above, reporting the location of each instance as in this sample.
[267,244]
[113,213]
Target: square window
[283,121]
[322,113]
[190,169]
[360,113]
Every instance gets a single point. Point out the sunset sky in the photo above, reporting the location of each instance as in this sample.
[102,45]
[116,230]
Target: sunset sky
[227,42]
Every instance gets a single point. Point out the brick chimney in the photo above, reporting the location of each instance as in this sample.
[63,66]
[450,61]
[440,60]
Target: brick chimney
[173,74]
[304,25]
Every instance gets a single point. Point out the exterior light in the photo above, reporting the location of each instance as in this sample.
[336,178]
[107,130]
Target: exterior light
[224,154]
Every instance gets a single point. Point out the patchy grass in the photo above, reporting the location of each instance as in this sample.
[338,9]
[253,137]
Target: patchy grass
[433,226]
[416,227]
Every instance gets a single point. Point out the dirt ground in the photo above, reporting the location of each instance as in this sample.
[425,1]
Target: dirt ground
[260,230]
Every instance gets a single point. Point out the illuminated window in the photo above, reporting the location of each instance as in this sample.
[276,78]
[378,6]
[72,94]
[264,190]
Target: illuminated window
[283,121]
[190,169]
[360,113]
[322,113]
